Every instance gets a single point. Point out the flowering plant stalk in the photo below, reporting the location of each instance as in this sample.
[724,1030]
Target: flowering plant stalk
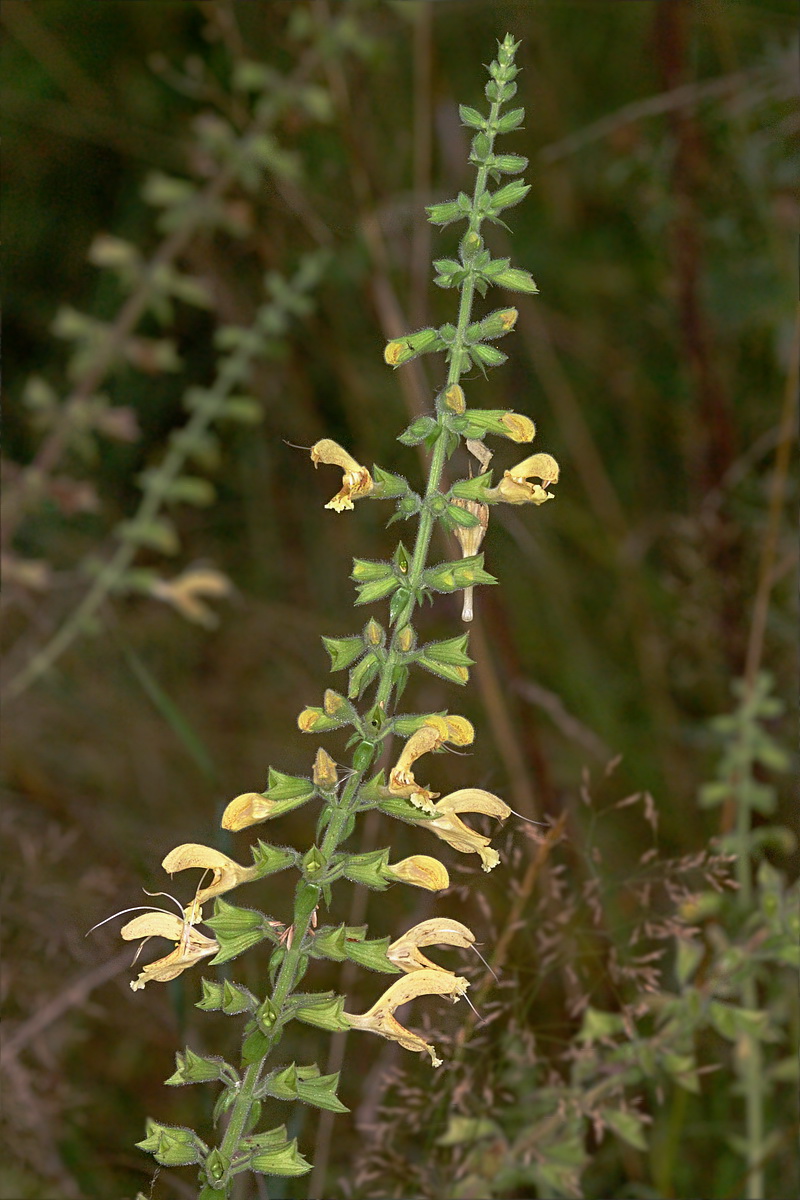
[379,660]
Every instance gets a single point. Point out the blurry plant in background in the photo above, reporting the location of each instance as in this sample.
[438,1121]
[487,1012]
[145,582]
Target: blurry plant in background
[662,348]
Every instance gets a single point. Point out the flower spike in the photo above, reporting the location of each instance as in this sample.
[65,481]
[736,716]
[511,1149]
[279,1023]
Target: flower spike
[380,1018]
[357,481]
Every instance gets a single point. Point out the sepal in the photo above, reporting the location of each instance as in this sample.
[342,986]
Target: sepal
[472,489]
[387,485]
[423,429]
[452,576]
[305,1083]
[195,1068]
[236,930]
[367,869]
[172,1145]
[321,1009]
[343,651]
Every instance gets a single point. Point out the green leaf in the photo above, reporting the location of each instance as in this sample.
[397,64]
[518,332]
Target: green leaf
[377,589]
[731,1022]
[471,117]
[456,515]
[483,355]
[418,431]
[515,280]
[627,1126]
[156,534]
[363,674]
[459,675]
[511,120]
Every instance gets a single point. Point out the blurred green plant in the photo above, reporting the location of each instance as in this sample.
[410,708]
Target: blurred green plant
[704,1017]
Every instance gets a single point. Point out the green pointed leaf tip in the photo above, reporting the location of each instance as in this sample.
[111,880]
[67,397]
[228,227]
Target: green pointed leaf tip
[194,1068]
[363,674]
[172,1145]
[471,117]
[378,589]
[472,489]
[343,651]
[284,1161]
[237,999]
[367,869]
[323,1011]
[270,859]
[391,486]
[368,569]
[287,787]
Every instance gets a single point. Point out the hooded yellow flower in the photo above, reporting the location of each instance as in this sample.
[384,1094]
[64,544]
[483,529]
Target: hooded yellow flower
[430,736]
[422,871]
[226,873]
[514,487]
[451,829]
[190,948]
[405,952]
[380,1018]
[356,482]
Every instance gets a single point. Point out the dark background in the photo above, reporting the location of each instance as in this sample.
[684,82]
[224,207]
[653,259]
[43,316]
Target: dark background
[661,230]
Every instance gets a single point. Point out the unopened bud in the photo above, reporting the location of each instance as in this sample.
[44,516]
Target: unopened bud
[325,775]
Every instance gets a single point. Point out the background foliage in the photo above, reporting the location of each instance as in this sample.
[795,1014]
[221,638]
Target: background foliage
[661,230]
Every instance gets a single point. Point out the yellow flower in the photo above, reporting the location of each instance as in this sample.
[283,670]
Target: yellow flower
[357,481]
[191,945]
[451,829]
[520,428]
[401,777]
[380,1018]
[422,871]
[430,736]
[227,874]
[248,809]
[514,487]
[405,952]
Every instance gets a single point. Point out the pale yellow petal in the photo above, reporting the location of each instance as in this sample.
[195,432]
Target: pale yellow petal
[422,871]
